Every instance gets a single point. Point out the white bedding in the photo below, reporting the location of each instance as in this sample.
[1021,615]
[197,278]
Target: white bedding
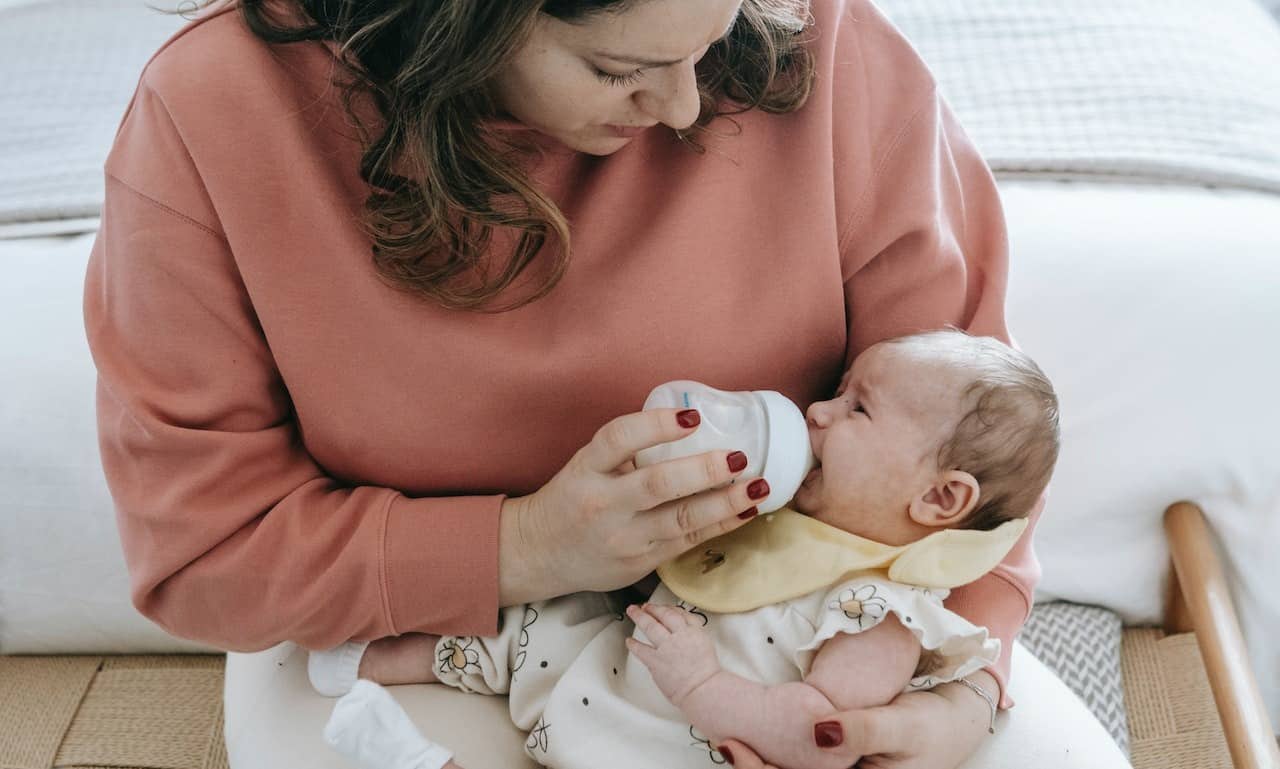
[1154,309]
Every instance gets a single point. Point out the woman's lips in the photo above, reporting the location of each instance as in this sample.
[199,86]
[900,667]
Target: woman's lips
[628,132]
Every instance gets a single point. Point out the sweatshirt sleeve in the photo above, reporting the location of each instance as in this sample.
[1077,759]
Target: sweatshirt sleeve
[924,246]
[233,535]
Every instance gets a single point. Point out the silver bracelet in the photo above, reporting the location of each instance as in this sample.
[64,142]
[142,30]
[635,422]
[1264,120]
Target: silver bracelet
[983,694]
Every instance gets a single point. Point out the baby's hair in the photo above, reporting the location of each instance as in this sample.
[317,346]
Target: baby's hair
[1007,436]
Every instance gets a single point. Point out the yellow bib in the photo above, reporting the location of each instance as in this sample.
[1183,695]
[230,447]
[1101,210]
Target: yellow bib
[785,555]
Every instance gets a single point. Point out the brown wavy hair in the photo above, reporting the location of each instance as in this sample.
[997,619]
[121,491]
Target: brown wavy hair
[427,65]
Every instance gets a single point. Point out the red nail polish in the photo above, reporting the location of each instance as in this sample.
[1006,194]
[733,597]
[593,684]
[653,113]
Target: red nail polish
[737,460]
[828,734]
[758,489]
[724,751]
[688,418]
[750,512]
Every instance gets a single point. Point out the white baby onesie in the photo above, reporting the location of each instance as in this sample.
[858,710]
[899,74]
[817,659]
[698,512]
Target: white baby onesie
[587,703]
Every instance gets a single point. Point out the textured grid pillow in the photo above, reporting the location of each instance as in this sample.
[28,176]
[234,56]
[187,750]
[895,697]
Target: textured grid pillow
[1152,90]
[1081,644]
[70,67]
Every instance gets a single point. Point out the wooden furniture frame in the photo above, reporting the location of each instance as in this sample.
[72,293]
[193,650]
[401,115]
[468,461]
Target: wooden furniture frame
[1200,602]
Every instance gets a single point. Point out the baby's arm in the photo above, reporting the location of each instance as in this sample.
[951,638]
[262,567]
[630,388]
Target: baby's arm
[849,671]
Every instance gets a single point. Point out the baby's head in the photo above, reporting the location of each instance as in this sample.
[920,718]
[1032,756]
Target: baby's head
[931,431]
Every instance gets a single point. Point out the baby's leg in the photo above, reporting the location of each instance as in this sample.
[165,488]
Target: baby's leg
[402,659]
[534,646]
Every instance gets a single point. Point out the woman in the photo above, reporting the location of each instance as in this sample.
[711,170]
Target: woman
[369,356]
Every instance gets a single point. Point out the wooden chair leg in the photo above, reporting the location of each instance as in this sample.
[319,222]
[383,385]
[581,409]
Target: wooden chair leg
[1200,595]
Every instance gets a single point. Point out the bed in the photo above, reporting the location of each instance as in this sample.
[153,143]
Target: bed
[1145,280]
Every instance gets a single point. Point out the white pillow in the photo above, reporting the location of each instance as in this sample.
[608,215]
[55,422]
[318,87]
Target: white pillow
[1156,312]
[1273,6]
[63,584]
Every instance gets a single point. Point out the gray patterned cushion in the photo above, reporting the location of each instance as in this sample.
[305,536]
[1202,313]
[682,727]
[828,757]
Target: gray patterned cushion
[1081,644]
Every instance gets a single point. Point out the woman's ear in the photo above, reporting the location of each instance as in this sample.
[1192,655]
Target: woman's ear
[951,498]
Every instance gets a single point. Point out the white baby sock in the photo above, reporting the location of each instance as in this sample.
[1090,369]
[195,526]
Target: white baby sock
[369,727]
[333,671]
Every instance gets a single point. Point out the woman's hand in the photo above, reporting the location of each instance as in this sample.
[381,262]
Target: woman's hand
[601,524]
[935,729]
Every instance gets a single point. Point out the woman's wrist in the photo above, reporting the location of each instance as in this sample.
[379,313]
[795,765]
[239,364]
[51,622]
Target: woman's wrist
[524,575]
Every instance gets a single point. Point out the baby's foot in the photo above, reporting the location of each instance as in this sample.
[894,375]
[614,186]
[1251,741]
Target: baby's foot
[371,729]
[334,671]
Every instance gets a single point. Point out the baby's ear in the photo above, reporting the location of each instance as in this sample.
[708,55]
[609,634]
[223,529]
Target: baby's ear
[952,497]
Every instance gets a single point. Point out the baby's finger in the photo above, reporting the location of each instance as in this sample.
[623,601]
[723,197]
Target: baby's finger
[649,625]
[671,617]
[641,650]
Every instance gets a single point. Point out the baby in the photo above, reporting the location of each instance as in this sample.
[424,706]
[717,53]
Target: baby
[932,452]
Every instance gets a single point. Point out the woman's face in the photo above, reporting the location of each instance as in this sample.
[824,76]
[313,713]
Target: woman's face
[596,83]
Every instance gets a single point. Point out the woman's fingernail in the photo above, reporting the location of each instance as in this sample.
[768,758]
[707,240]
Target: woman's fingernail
[737,460]
[758,489]
[750,512]
[688,418]
[724,751]
[828,734]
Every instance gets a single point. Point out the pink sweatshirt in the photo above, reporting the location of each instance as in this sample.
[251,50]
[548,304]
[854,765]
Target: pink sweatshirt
[298,452]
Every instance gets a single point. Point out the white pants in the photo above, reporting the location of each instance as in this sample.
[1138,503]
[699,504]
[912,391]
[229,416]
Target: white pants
[274,720]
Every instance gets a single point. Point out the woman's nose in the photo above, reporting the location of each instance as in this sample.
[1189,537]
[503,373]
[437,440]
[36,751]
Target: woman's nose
[674,101]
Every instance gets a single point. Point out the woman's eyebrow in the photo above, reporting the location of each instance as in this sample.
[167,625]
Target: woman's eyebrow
[643,62]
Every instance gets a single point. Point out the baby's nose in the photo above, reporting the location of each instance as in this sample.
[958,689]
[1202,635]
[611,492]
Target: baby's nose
[819,414]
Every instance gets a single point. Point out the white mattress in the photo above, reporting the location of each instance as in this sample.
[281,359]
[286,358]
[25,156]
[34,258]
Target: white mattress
[63,585]
[1154,309]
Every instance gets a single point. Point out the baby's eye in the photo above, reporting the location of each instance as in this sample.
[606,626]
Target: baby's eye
[858,407]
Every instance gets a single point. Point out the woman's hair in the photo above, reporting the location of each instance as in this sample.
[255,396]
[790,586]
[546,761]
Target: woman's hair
[427,65]
[1007,436]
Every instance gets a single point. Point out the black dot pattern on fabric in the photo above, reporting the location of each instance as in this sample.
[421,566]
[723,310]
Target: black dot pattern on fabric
[584,700]
[615,671]
[542,664]
[769,639]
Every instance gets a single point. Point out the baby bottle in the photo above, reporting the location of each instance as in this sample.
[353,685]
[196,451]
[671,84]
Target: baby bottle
[763,424]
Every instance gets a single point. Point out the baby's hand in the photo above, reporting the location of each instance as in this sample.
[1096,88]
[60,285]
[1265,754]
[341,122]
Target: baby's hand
[682,655]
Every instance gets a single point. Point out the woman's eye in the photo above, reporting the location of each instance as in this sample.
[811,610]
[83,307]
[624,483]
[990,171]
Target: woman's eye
[619,80]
